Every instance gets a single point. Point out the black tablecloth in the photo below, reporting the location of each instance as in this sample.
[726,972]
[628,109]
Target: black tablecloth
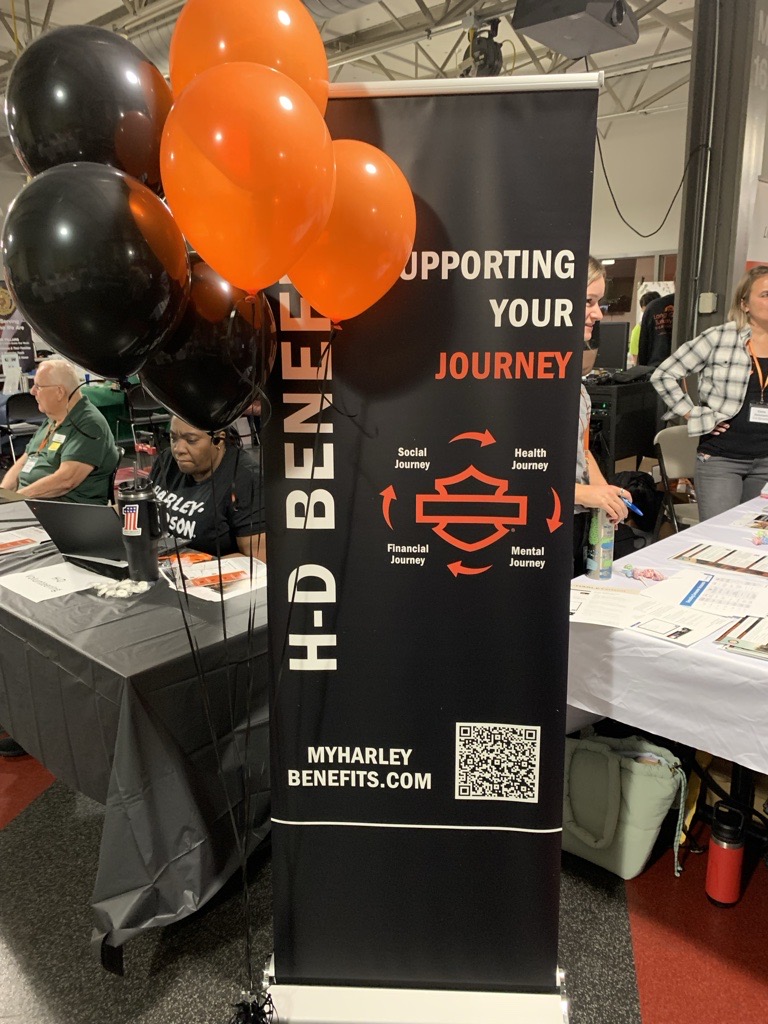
[108,695]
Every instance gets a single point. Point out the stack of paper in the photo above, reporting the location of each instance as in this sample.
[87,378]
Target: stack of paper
[212,579]
[748,636]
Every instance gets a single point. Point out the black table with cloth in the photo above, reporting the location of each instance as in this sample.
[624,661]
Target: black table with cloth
[106,694]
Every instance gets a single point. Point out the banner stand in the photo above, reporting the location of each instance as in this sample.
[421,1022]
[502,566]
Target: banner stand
[419,470]
[343,1004]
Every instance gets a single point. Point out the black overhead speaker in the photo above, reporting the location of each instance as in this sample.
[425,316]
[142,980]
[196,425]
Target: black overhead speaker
[576,27]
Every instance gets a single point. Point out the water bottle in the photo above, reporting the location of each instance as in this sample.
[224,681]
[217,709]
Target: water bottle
[600,546]
[142,528]
[725,855]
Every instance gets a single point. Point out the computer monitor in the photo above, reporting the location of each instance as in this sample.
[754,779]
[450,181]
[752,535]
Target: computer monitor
[612,344]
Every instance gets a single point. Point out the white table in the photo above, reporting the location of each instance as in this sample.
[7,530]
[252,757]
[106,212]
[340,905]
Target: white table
[701,696]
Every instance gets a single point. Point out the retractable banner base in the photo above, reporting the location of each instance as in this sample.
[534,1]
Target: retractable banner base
[332,1004]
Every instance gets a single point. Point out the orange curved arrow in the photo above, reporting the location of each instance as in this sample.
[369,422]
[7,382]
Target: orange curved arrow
[459,569]
[389,496]
[485,438]
[555,522]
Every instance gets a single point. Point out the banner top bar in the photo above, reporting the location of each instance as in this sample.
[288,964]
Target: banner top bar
[431,86]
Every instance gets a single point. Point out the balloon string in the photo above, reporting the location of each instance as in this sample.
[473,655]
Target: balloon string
[240,834]
[335,329]
[244,750]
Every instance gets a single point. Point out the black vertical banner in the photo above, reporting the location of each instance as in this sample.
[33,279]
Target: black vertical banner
[420,474]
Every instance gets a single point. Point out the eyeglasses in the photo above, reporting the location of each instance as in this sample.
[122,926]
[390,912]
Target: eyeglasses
[38,387]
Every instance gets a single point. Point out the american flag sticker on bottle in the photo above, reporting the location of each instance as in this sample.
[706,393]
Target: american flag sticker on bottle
[131,526]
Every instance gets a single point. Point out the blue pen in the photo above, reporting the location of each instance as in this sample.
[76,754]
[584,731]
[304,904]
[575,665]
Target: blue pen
[631,507]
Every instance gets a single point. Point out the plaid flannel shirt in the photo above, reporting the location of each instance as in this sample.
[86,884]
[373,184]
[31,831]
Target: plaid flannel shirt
[720,358]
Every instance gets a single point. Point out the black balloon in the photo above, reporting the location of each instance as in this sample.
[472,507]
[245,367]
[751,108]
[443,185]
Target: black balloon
[97,266]
[211,369]
[83,93]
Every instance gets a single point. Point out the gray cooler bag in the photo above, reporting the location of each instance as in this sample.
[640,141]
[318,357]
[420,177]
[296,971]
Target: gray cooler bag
[617,793]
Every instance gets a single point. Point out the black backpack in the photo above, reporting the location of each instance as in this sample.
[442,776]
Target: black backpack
[635,531]
[644,495]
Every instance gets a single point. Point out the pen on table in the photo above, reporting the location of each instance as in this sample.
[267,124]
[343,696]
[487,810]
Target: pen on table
[630,506]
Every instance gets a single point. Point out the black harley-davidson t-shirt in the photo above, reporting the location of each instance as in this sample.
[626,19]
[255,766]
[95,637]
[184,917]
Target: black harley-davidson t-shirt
[209,516]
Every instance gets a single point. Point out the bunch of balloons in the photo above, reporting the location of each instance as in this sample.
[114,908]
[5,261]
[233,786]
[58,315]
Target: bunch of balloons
[93,257]
[234,161]
[251,173]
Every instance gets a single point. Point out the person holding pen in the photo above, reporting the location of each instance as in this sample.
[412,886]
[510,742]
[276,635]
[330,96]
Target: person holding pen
[731,418]
[592,489]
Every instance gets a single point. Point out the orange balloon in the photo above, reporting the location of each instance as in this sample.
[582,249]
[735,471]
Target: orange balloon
[248,171]
[277,33]
[369,236]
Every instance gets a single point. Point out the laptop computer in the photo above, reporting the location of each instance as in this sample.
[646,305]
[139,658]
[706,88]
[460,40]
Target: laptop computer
[86,535]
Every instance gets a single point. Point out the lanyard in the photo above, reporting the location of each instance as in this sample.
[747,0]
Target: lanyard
[759,372]
[46,439]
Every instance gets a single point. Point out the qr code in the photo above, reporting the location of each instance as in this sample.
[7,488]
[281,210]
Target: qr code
[497,762]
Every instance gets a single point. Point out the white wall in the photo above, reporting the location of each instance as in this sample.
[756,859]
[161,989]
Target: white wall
[644,158]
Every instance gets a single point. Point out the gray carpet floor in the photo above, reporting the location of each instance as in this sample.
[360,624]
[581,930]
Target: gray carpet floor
[193,972]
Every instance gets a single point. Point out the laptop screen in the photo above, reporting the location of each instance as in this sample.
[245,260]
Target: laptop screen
[86,531]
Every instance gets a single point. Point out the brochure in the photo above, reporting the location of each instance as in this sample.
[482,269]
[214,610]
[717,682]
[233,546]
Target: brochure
[604,607]
[748,636]
[721,595]
[29,537]
[729,557]
[681,626]
[204,576]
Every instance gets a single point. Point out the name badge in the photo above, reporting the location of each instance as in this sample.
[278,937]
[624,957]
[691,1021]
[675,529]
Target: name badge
[29,465]
[56,442]
[758,412]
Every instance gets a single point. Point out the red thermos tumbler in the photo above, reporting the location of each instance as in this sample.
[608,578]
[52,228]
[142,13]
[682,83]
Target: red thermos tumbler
[725,855]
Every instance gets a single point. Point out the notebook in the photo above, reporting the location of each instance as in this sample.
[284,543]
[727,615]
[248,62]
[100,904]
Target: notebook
[86,535]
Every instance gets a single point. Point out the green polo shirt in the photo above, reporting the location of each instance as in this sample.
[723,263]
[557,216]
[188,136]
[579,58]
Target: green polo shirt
[84,436]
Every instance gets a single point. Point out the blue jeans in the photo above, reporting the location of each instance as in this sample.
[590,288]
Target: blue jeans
[722,483]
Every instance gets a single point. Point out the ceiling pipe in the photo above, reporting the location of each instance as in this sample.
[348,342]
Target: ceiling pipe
[151,29]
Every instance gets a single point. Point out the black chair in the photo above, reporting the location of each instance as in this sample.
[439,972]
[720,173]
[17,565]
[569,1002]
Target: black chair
[22,418]
[143,412]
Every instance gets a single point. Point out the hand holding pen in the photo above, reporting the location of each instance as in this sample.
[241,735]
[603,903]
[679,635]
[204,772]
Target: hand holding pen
[630,506]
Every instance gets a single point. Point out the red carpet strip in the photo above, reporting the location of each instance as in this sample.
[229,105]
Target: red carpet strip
[22,780]
[695,961]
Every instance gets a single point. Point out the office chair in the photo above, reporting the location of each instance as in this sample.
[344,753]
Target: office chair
[676,452]
[22,418]
[143,411]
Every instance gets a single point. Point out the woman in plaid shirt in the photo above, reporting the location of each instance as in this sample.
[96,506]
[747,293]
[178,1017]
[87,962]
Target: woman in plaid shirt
[732,415]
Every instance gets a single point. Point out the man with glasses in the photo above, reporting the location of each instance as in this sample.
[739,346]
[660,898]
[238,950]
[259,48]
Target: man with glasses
[70,458]
[73,454]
